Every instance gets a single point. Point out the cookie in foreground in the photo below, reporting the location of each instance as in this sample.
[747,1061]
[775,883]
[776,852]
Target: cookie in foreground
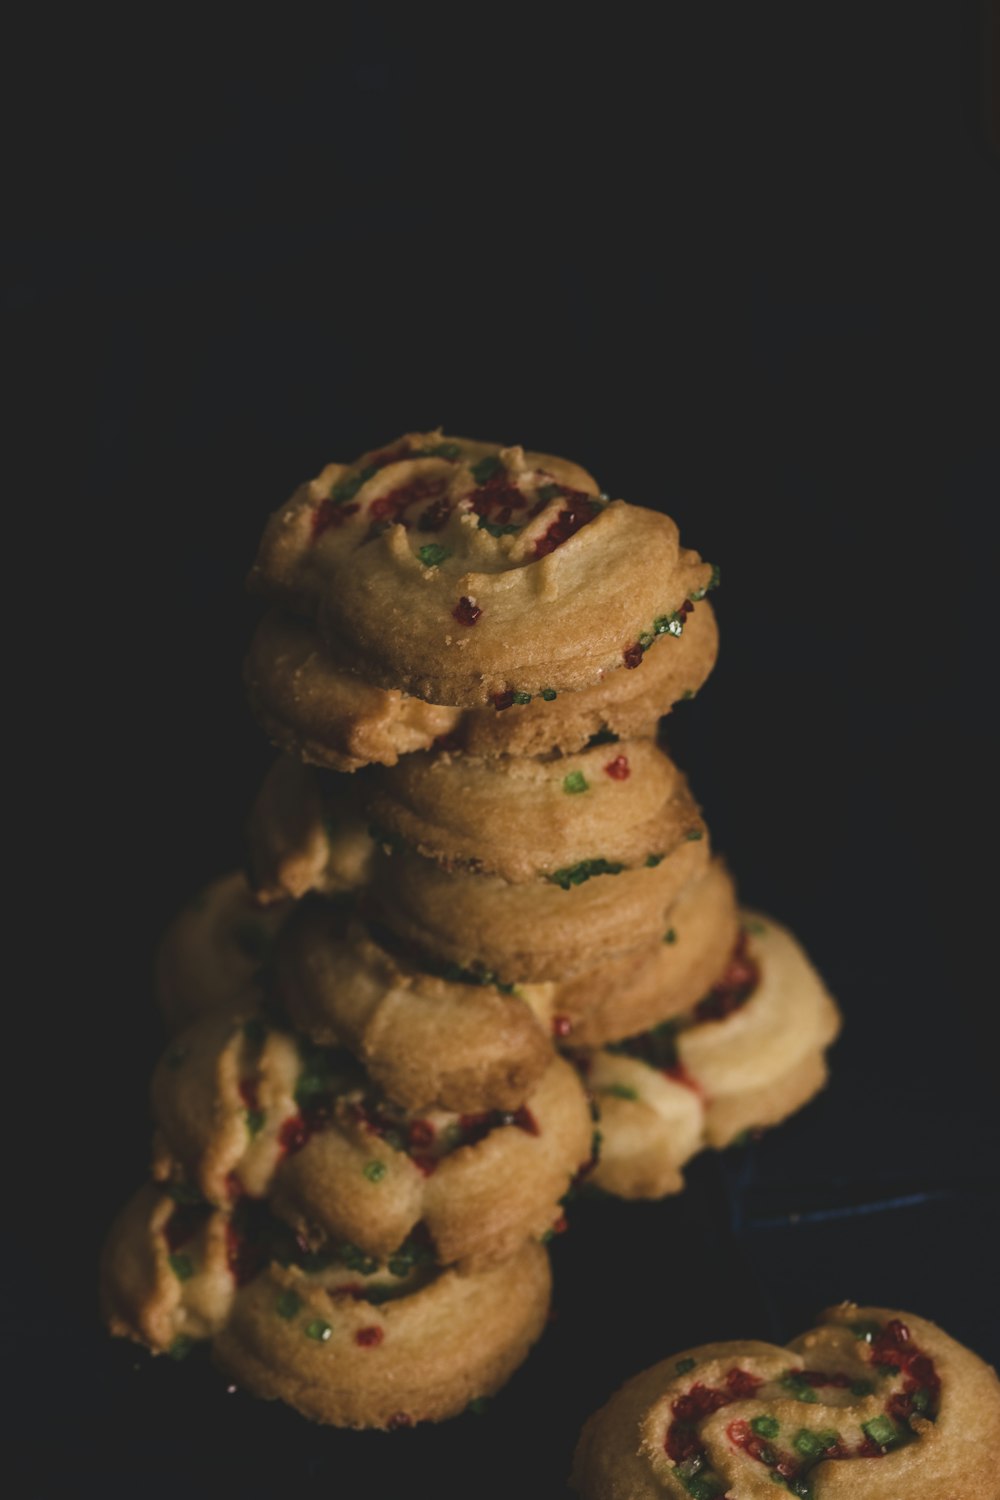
[874,1404]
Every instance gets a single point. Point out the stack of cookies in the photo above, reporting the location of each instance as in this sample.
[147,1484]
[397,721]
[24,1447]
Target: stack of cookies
[481,949]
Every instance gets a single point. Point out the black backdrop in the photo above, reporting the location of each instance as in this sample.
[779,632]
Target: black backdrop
[742,266]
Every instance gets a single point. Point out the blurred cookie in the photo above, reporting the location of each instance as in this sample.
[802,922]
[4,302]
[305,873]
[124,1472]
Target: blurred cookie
[306,832]
[872,1405]
[522,818]
[247,1108]
[747,1056]
[465,1045]
[464,579]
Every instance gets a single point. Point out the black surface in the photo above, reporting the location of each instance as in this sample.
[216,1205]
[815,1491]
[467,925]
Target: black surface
[743,269]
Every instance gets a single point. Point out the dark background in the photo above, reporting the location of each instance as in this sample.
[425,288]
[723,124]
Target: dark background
[743,267]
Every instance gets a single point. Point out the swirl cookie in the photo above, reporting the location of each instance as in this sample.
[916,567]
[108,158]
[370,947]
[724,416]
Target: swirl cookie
[211,953]
[426,1041]
[473,577]
[647,985]
[749,1054]
[871,1405]
[246,1108]
[415,1358]
[521,818]
[340,1337]
[323,714]
[576,918]
[306,832]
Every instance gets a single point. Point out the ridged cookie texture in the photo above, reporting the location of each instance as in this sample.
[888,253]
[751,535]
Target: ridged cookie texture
[747,1056]
[873,1404]
[461,572]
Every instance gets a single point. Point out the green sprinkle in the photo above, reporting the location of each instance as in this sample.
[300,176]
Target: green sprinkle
[683,1365]
[432,554]
[794,1383]
[575,782]
[478,1406]
[176,1056]
[318,1330]
[375,1171]
[777,1477]
[255,1031]
[755,928]
[444,450]
[862,1388]
[881,1430]
[486,468]
[620,1091]
[348,488]
[584,870]
[704,1487]
[494,530]
[693,835]
[646,639]
[921,1400]
[713,583]
[766,1427]
[800,1486]
[549,492]
[810,1444]
[182,1267]
[670,936]
[668,625]
[181,1347]
[522,697]
[288,1305]
[548,694]
[256,1120]
[652,860]
[687,695]
[356,1260]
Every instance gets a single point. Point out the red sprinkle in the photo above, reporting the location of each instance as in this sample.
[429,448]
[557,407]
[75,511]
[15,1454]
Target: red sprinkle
[618,769]
[244,1258]
[294,1134]
[328,513]
[249,1094]
[561,1025]
[421,1133]
[234,1186]
[561,1225]
[467,613]
[399,1419]
[580,509]
[435,517]
[525,1120]
[632,656]
[369,1337]
[503,700]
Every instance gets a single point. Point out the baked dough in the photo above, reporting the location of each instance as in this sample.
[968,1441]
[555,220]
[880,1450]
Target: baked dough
[342,1339]
[312,706]
[523,818]
[306,832]
[243,1107]
[461,580]
[874,1404]
[698,1081]
[540,929]
[425,1040]
[212,952]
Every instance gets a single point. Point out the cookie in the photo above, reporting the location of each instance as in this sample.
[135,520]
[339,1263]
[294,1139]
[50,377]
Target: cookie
[248,1108]
[310,705]
[872,1403]
[306,832]
[341,1338]
[211,953]
[523,818]
[417,1358]
[748,1055]
[465,579]
[325,715]
[426,1041]
[537,930]
[662,978]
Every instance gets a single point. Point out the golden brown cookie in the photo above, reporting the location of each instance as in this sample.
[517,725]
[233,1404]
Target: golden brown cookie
[415,1358]
[312,706]
[464,579]
[537,930]
[209,956]
[749,1054]
[663,978]
[306,832]
[874,1404]
[247,1108]
[521,818]
[425,1040]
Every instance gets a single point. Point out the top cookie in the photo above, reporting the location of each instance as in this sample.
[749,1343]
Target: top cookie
[467,574]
